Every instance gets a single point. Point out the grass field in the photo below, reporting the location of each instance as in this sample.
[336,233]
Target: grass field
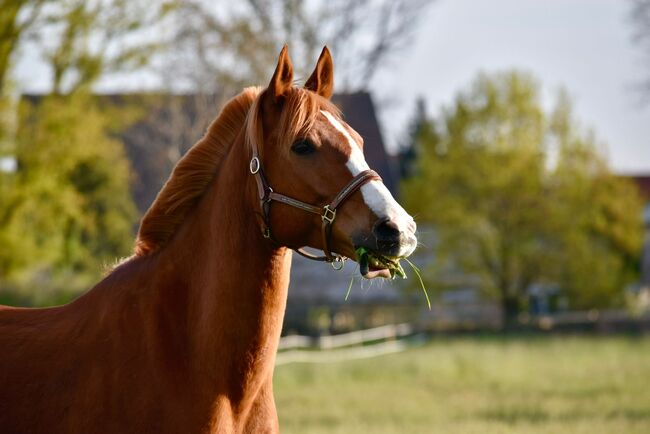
[475,385]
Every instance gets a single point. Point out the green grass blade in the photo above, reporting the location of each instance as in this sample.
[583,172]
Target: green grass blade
[417,273]
[347,294]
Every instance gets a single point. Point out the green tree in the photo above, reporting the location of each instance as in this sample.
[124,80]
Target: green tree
[67,209]
[95,39]
[508,218]
[70,210]
[17,17]
[601,218]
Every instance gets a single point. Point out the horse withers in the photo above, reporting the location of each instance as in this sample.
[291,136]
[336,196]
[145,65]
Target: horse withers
[182,336]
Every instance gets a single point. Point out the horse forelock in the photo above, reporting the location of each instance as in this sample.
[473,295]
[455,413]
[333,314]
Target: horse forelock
[300,109]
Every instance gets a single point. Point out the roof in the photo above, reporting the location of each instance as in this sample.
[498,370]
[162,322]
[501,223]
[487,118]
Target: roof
[643,182]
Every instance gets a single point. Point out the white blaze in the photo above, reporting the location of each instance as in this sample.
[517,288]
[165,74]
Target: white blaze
[375,194]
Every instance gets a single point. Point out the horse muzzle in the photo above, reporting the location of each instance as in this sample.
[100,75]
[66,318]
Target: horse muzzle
[389,238]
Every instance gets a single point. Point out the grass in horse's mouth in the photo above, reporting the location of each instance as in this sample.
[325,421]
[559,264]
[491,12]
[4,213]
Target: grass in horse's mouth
[373,264]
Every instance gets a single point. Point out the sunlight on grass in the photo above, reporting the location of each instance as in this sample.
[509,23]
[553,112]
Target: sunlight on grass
[475,385]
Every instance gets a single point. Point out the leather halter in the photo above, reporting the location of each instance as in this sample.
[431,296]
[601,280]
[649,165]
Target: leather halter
[327,212]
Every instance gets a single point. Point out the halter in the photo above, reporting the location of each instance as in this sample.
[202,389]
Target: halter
[327,213]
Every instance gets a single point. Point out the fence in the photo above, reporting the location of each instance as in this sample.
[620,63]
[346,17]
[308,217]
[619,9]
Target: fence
[387,332]
[348,346]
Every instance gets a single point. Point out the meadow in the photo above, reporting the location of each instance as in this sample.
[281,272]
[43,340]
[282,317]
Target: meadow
[475,385]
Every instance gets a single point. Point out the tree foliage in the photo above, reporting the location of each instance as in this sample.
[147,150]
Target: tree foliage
[66,210]
[508,216]
[92,39]
[16,19]
[69,207]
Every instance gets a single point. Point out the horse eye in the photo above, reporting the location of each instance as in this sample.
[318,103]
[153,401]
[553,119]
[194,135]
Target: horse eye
[303,147]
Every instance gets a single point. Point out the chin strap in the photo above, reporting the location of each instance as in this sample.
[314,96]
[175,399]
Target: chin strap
[327,212]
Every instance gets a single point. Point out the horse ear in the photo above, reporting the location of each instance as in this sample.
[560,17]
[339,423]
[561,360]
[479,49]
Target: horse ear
[322,79]
[283,75]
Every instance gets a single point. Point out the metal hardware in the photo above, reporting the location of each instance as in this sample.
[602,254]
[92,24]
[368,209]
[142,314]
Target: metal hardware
[267,195]
[338,263]
[329,214]
[254,165]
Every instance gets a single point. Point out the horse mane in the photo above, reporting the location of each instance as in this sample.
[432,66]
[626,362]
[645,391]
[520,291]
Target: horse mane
[192,175]
[194,172]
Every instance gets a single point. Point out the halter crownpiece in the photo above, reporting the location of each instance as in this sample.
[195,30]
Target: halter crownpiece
[327,212]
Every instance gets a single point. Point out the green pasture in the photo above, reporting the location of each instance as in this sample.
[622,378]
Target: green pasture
[475,385]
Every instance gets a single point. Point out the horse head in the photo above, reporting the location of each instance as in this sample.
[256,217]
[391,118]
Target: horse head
[306,158]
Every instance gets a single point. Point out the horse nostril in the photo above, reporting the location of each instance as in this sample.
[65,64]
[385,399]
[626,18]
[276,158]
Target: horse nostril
[386,230]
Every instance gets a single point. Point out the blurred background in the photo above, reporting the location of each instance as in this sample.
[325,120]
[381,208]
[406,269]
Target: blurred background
[517,133]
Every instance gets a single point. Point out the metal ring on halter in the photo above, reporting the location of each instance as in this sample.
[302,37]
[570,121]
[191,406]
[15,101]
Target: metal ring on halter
[340,260]
[254,165]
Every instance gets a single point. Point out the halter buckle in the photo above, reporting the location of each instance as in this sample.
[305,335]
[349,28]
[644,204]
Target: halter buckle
[338,263]
[254,165]
[329,214]
[266,233]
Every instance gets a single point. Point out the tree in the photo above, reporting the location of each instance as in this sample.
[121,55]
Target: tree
[407,155]
[70,209]
[225,46]
[506,219]
[601,233]
[81,40]
[16,19]
[67,209]
[93,39]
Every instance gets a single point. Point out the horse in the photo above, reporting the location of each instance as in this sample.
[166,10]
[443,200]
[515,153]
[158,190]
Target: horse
[182,336]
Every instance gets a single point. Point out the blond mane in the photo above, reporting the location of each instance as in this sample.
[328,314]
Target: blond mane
[198,167]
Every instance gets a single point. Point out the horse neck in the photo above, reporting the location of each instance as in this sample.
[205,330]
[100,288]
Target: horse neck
[236,281]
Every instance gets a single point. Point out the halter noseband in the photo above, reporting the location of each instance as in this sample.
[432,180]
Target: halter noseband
[327,213]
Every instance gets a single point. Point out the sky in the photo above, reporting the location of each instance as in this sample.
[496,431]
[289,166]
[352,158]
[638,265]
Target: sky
[584,45]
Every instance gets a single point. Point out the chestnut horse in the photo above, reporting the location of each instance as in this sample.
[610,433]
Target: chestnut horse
[182,336]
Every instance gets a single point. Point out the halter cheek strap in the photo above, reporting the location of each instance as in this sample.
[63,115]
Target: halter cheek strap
[327,212]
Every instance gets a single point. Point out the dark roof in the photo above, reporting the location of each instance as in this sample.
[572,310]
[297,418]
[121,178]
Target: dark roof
[359,112]
[643,182]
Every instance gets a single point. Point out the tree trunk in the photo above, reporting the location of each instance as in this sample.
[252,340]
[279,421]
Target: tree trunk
[510,309]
